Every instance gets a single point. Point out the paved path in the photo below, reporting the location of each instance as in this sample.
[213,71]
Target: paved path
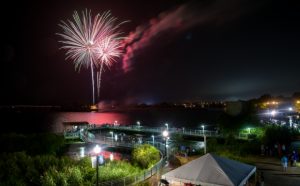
[274,175]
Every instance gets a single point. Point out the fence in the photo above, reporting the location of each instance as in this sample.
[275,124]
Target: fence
[131,180]
[194,132]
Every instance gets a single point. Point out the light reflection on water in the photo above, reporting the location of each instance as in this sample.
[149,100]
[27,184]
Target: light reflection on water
[151,117]
[90,117]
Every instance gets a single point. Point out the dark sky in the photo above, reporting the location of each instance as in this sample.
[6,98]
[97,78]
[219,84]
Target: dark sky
[194,50]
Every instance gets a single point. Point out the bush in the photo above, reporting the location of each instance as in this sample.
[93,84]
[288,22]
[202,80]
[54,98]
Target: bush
[116,170]
[145,156]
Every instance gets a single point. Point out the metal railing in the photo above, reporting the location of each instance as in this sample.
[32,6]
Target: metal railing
[132,180]
[71,135]
[193,132]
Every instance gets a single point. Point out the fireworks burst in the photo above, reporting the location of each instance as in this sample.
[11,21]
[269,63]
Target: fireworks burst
[109,49]
[91,42]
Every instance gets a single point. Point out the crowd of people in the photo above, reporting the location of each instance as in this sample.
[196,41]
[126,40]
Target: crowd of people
[281,151]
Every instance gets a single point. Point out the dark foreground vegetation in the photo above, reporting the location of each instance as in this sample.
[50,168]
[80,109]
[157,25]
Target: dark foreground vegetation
[39,160]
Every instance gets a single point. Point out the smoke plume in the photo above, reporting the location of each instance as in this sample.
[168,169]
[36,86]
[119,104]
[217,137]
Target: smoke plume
[175,21]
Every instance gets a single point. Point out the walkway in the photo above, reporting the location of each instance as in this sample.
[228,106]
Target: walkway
[273,174]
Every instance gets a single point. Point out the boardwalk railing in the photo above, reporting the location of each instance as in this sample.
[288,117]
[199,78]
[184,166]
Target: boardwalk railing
[72,134]
[134,128]
[132,180]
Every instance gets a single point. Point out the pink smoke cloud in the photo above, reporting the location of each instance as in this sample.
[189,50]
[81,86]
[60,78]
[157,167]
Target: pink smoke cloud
[174,22]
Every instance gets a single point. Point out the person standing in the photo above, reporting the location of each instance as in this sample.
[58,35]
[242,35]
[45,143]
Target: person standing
[291,157]
[295,158]
[284,162]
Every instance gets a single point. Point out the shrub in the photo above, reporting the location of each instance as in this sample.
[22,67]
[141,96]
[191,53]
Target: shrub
[117,169]
[145,156]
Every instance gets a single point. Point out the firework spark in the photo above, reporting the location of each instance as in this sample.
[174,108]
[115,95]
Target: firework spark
[109,49]
[91,42]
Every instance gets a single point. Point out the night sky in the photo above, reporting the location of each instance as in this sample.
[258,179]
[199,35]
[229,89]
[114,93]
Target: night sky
[183,50]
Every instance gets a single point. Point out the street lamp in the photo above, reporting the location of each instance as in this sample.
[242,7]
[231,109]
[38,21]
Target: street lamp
[290,121]
[81,152]
[97,150]
[249,130]
[153,139]
[138,123]
[273,113]
[165,134]
[111,156]
[204,136]
[116,123]
[167,125]
[112,136]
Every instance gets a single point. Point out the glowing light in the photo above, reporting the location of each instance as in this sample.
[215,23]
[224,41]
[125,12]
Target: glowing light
[273,113]
[111,157]
[290,109]
[153,139]
[81,152]
[249,130]
[93,107]
[165,133]
[97,149]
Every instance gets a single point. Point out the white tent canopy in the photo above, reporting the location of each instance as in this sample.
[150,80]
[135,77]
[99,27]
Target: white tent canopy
[211,170]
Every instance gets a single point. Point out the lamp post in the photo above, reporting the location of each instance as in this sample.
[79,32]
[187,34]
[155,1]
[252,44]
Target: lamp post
[249,130]
[97,150]
[112,136]
[290,121]
[204,136]
[111,156]
[153,139]
[167,125]
[115,123]
[138,124]
[273,113]
[165,134]
[204,144]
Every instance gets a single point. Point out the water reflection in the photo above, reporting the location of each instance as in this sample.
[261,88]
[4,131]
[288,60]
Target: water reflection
[90,117]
